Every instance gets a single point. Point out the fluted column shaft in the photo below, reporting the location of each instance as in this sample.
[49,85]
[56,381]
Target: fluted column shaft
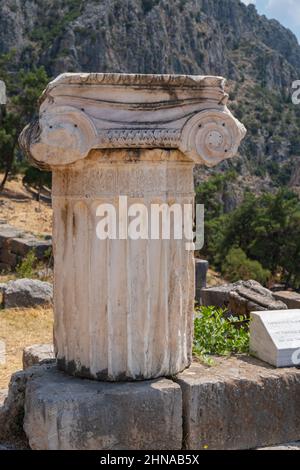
[123,308]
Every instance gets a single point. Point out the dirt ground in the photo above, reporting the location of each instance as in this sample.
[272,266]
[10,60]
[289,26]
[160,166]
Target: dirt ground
[20,328]
[18,208]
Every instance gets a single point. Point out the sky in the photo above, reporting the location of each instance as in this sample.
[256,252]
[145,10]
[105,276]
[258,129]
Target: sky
[287,12]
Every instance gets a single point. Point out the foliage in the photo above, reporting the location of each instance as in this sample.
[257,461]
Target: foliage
[210,193]
[58,17]
[23,90]
[214,333]
[37,179]
[26,268]
[272,123]
[238,266]
[280,174]
[265,229]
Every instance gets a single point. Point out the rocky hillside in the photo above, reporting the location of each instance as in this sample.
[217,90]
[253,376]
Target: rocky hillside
[259,57]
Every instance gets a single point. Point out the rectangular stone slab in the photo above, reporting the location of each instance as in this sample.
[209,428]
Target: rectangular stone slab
[67,413]
[275,337]
[239,403]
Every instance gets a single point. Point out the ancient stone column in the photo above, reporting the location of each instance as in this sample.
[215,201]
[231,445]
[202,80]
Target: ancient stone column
[124,307]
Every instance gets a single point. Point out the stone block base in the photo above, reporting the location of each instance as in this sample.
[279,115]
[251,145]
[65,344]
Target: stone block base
[67,413]
[239,403]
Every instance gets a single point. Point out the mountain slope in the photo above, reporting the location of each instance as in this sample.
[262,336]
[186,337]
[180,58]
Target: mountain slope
[259,57]
[148,36]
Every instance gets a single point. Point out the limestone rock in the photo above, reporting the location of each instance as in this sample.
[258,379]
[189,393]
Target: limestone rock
[291,299]
[241,298]
[36,354]
[217,296]
[27,293]
[92,48]
[22,246]
[7,232]
[15,244]
[239,403]
[68,413]
[12,411]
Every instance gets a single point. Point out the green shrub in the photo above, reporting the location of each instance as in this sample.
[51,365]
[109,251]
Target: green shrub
[26,267]
[214,333]
[237,266]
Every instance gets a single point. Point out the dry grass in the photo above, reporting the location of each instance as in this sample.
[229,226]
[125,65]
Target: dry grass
[5,277]
[20,328]
[19,209]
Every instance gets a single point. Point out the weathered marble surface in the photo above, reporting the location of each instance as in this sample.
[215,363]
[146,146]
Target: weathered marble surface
[81,112]
[241,298]
[124,308]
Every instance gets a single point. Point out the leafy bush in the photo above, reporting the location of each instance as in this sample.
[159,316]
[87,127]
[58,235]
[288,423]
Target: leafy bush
[238,266]
[37,179]
[266,228]
[214,333]
[23,90]
[26,267]
[211,193]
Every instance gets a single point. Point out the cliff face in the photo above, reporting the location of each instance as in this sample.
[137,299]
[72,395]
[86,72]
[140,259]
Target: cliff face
[149,36]
[224,37]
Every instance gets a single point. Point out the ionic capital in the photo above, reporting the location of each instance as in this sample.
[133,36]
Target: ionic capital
[83,112]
